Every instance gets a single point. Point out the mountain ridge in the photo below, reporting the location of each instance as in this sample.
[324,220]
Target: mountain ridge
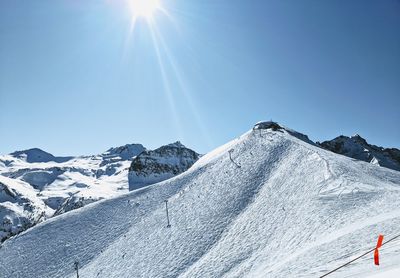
[118,169]
[358,148]
[63,183]
[264,204]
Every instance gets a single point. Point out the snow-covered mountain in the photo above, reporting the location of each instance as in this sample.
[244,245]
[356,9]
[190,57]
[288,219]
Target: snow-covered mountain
[35,185]
[163,163]
[358,148]
[267,204]
[20,208]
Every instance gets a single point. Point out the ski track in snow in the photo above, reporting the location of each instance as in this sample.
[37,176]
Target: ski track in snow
[264,205]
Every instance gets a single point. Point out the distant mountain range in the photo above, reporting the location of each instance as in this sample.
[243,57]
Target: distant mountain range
[36,185]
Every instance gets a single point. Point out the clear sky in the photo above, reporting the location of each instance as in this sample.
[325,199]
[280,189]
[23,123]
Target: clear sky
[76,77]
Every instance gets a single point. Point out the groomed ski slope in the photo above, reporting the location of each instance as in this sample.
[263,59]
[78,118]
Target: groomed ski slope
[281,208]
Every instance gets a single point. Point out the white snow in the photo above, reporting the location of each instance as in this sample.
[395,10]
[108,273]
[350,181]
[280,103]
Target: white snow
[264,205]
[66,183]
[19,207]
[41,178]
[393,273]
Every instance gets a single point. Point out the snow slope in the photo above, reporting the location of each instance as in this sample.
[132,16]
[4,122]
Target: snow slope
[20,208]
[61,184]
[267,204]
[66,183]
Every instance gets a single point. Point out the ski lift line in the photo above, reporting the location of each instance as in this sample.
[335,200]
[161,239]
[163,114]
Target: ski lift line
[395,245]
[359,257]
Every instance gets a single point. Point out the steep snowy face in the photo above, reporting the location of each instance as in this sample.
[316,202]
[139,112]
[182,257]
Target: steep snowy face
[20,208]
[163,163]
[266,204]
[358,148]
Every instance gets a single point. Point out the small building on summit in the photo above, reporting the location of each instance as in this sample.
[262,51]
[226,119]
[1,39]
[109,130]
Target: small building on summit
[267,125]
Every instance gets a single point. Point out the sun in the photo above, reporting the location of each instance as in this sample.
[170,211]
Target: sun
[144,8]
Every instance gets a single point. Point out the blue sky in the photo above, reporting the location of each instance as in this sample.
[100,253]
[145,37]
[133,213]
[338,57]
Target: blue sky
[76,79]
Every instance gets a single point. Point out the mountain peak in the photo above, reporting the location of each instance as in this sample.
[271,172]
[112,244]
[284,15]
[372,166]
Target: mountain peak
[358,138]
[152,166]
[125,152]
[38,155]
[34,155]
[176,144]
[267,125]
[358,148]
[274,126]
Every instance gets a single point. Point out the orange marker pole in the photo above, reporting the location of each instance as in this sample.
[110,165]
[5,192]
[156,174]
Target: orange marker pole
[376,253]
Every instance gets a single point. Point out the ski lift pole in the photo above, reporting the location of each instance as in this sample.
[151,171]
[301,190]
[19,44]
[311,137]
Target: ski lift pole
[230,157]
[76,266]
[166,209]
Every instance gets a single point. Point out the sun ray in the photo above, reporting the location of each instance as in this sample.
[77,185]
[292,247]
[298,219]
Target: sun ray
[144,10]
[184,88]
[166,84]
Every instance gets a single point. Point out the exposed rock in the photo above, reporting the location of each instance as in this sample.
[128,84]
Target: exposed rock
[153,166]
[358,148]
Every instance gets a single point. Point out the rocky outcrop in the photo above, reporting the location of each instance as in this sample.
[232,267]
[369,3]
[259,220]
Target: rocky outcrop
[153,166]
[358,148]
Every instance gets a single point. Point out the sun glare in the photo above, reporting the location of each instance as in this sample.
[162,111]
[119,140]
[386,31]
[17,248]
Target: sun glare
[146,11]
[144,8]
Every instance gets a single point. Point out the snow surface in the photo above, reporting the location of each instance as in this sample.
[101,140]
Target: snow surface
[264,205]
[66,183]
[20,208]
[57,182]
[393,273]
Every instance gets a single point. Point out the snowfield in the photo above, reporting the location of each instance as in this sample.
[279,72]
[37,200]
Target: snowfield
[35,185]
[267,204]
